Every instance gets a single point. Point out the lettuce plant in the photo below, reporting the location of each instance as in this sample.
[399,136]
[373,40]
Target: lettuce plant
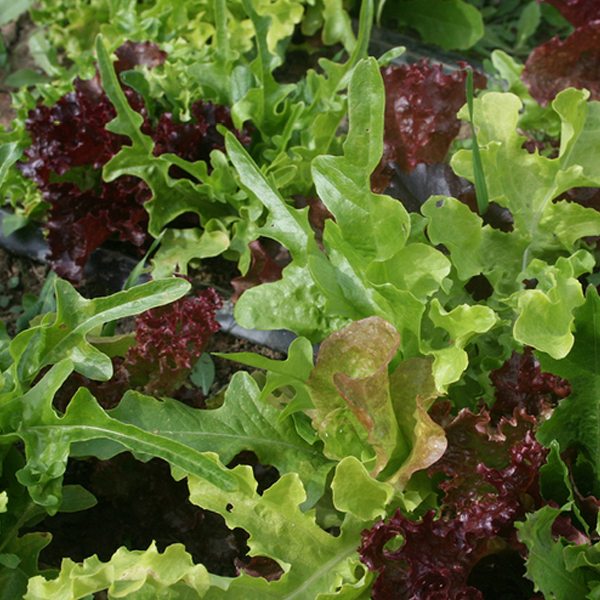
[74,24]
[557,65]
[445,428]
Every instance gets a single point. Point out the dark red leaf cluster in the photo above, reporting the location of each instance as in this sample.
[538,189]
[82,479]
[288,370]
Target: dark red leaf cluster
[196,139]
[432,564]
[578,12]
[557,65]
[79,221]
[492,476]
[521,384]
[67,135]
[168,342]
[69,145]
[420,115]
[489,480]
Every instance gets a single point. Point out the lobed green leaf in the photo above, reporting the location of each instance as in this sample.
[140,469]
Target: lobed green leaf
[316,564]
[169,575]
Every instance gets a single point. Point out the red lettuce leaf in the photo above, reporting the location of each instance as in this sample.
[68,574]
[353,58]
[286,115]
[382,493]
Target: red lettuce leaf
[420,115]
[479,454]
[195,141]
[521,384]
[318,213]
[69,134]
[577,12]
[80,221]
[556,65]
[432,564]
[260,566]
[133,54]
[168,342]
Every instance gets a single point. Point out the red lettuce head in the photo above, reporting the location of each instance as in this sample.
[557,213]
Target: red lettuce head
[420,114]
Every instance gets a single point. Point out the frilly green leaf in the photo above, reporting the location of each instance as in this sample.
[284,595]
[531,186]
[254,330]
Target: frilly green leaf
[314,561]
[546,564]
[462,324]
[545,314]
[137,574]
[574,422]
[454,225]
[244,422]
[293,372]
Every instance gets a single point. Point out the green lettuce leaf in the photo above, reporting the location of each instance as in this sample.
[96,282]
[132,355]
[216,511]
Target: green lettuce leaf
[333,289]
[356,492]
[136,574]
[48,437]
[244,422]
[574,422]
[546,563]
[316,564]
[413,390]
[267,307]
[462,324]
[293,372]
[215,198]
[451,24]
[351,378]
[453,224]
[76,317]
[545,314]
[180,246]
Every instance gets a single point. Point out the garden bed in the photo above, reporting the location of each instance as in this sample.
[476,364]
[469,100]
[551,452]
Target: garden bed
[409,249]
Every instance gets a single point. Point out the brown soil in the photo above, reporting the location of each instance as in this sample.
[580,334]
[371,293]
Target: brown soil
[15,36]
[19,276]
